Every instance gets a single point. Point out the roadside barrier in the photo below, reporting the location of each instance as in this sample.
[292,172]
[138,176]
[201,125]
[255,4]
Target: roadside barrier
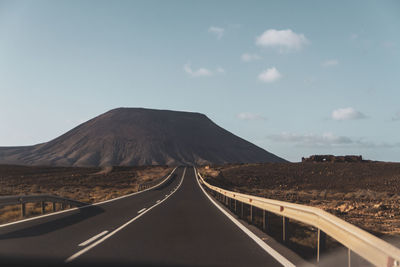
[366,245]
[43,199]
[64,202]
[155,182]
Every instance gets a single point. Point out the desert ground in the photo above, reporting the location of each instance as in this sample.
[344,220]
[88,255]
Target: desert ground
[366,194]
[83,184]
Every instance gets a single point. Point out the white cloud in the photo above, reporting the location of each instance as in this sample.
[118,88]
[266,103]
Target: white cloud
[250,57]
[270,75]
[342,114]
[396,116]
[248,116]
[326,139]
[285,40]
[220,70]
[330,63]
[217,31]
[201,72]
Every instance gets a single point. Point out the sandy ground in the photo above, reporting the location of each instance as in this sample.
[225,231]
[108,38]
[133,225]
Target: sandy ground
[84,184]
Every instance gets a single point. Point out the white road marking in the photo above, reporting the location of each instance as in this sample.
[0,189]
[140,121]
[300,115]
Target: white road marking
[259,241]
[94,204]
[86,249]
[90,240]
[158,201]
[140,211]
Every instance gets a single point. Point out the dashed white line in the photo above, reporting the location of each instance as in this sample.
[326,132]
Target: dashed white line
[90,240]
[90,205]
[140,211]
[86,249]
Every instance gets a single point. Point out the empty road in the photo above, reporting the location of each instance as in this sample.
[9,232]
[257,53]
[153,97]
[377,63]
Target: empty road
[174,224]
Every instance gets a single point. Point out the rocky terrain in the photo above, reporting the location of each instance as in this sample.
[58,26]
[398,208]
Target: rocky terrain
[88,185]
[137,136]
[366,194]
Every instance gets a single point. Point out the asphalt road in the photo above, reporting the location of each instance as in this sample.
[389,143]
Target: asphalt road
[174,224]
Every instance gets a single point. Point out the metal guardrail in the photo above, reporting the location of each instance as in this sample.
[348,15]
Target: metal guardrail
[155,182]
[43,199]
[366,245]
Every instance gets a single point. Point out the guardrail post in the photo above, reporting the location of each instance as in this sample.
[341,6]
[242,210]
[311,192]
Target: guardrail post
[349,257]
[43,207]
[235,206]
[251,213]
[388,254]
[285,229]
[22,209]
[54,206]
[320,243]
[265,221]
[62,205]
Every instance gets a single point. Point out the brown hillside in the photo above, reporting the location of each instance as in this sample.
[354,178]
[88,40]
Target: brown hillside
[137,136]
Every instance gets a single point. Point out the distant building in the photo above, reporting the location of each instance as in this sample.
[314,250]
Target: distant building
[332,158]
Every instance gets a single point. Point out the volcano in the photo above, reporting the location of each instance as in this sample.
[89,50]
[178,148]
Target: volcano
[138,136]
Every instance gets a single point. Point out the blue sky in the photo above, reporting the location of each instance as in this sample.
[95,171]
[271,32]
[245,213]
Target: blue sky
[294,77]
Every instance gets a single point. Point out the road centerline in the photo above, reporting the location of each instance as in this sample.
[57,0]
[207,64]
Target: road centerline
[140,211]
[90,240]
[99,241]
[89,205]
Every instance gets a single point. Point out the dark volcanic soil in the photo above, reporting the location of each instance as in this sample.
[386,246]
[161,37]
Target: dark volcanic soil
[365,194]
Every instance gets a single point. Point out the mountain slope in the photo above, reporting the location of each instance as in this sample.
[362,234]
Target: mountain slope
[137,136]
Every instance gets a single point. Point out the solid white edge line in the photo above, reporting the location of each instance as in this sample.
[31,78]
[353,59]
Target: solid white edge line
[86,249]
[135,193]
[261,243]
[90,240]
[140,211]
[94,204]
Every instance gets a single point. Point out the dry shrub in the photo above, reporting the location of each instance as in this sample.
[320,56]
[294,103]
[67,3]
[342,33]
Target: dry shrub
[83,184]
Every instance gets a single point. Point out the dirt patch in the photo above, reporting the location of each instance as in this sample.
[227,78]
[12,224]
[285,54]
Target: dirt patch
[83,184]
